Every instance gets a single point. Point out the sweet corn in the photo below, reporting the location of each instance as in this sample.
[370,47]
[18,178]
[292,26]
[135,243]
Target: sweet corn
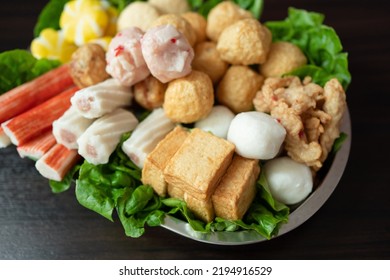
[112,21]
[104,42]
[84,20]
[51,44]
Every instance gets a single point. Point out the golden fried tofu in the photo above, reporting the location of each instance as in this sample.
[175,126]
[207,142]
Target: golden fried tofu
[152,172]
[199,164]
[237,189]
[202,209]
[175,192]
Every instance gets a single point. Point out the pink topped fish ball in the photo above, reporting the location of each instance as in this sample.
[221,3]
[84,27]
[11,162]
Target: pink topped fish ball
[125,61]
[167,53]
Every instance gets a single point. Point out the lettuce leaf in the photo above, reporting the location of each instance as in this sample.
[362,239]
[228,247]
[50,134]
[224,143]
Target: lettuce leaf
[320,44]
[20,66]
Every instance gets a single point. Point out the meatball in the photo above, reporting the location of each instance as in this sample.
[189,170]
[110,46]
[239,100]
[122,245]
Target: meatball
[217,122]
[245,42]
[179,23]
[256,135]
[189,99]
[290,182]
[88,65]
[171,6]
[149,93]
[238,87]
[139,14]
[167,53]
[198,23]
[124,57]
[207,60]
[283,57]
[223,15]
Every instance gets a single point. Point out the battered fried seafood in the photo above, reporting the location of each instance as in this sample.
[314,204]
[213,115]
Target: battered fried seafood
[310,114]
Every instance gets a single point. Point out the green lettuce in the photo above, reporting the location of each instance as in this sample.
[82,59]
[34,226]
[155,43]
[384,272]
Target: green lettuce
[50,16]
[320,44]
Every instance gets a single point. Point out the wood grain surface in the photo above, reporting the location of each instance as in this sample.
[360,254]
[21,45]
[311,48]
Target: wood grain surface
[353,224]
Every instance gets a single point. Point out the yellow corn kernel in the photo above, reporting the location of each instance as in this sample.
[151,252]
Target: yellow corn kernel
[51,44]
[84,20]
[103,42]
[112,21]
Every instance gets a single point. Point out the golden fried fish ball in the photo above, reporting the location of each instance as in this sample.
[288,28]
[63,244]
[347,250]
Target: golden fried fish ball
[207,60]
[223,15]
[283,57]
[238,87]
[171,6]
[179,23]
[245,42]
[198,23]
[190,98]
[149,93]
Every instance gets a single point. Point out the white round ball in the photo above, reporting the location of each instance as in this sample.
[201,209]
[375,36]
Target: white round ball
[256,135]
[289,181]
[217,122]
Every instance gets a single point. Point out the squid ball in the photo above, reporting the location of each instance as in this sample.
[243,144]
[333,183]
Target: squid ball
[256,135]
[290,182]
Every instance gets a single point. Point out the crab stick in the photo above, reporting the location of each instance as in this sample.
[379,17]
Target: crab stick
[57,162]
[146,136]
[100,139]
[31,123]
[38,146]
[97,100]
[69,127]
[30,94]
[4,139]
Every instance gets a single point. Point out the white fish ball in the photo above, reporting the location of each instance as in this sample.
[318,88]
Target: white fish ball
[217,121]
[289,181]
[256,135]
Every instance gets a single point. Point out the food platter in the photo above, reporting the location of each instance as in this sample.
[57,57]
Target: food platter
[297,217]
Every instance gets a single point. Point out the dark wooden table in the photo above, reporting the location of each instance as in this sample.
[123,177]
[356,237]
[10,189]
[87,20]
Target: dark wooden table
[353,224]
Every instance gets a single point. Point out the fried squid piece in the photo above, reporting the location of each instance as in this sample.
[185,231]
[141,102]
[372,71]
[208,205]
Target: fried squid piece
[296,144]
[335,106]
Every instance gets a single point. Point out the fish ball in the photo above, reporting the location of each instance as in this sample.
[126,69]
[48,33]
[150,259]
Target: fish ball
[256,135]
[217,122]
[289,181]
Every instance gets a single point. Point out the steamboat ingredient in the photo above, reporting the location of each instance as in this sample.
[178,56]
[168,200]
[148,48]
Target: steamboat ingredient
[88,65]
[256,135]
[139,14]
[100,99]
[69,127]
[35,92]
[171,6]
[189,99]
[167,53]
[245,42]
[51,44]
[38,146]
[290,182]
[146,136]
[56,163]
[283,57]
[198,23]
[149,93]
[180,23]
[223,15]
[125,61]
[98,142]
[208,60]
[31,123]
[237,189]
[238,87]
[217,121]
[157,159]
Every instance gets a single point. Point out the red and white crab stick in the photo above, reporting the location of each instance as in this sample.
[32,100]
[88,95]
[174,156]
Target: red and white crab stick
[38,146]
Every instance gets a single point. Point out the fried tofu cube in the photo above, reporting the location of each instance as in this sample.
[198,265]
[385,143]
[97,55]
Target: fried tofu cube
[199,164]
[237,189]
[202,209]
[152,172]
[175,192]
